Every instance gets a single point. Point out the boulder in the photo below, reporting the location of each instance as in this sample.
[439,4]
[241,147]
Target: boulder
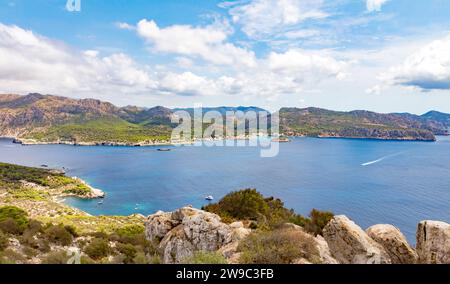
[324,251]
[159,224]
[348,243]
[188,230]
[394,243]
[433,242]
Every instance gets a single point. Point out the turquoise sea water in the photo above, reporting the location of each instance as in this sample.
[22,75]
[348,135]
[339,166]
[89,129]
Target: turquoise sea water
[372,182]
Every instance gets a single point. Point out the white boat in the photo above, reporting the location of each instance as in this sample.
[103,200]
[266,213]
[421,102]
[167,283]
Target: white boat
[209,197]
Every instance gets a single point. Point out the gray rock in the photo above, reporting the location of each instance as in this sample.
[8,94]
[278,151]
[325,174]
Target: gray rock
[433,242]
[188,230]
[394,242]
[324,251]
[158,225]
[348,243]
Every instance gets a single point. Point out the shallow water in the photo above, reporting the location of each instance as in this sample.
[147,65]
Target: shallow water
[372,182]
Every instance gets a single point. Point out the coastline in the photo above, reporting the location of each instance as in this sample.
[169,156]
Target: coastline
[31,142]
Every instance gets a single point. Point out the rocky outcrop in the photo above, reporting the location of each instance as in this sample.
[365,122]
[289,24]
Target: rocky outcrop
[324,251]
[185,231]
[188,230]
[433,242]
[348,243]
[394,242]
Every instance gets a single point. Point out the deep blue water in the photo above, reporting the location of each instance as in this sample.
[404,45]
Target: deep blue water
[411,184]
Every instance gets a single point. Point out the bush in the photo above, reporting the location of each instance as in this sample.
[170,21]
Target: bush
[72,230]
[244,204]
[318,220]
[249,204]
[34,227]
[98,249]
[58,235]
[10,226]
[128,251]
[18,215]
[3,241]
[281,246]
[56,257]
[203,257]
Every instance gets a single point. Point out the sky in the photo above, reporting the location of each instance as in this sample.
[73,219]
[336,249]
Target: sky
[379,55]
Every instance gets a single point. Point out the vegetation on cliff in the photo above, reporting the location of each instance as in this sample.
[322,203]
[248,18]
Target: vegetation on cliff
[37,118]
[265,213]
[359,124]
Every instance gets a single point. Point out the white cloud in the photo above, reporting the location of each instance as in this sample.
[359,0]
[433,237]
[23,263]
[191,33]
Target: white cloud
[427,69]
[32,63]
[125,26]
[304,64]
[187,84]
[208,43]
[262,18]
[375,5]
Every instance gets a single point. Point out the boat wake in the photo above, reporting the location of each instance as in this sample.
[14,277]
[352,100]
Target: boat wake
[380,159]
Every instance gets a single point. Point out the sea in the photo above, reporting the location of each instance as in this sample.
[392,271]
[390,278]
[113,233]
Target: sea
[370,181]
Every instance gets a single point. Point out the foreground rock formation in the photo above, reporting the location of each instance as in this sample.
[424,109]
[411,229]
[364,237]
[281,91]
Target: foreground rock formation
[185,231]
[350,244]
[433,242]
[394,242]
[188,230]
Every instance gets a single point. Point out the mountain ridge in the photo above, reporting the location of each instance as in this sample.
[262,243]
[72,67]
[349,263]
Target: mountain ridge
[48,118]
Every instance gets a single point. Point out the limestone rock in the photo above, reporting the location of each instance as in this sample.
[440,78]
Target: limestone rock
[433,242]
[394,242]
[324,251]
[230,252]
[159,224]
[188,230]
[348,243]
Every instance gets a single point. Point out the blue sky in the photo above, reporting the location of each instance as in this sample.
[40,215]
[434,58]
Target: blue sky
[381,55]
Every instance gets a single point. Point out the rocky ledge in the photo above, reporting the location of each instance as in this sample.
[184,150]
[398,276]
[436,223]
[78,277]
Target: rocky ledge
[182,233]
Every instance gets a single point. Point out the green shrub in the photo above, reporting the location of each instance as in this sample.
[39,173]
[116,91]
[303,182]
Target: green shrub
[56,257]
[128,251]
[79,189]
[244,204]
[59,235]
[16,214]
[3,241]
[249,204]
[10,226]
[203,257]
[281,246]
[98,249]
[130,230]
[34,227]
[72,230]
[318,220]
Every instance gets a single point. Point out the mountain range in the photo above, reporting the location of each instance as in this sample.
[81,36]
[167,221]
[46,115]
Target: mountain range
[49,119]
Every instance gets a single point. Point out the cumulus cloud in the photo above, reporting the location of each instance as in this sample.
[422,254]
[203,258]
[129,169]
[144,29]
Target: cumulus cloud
[303,63]
[208,43]
[125,26]
[262,18]
[30,62]
[375,5]
[427,68]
